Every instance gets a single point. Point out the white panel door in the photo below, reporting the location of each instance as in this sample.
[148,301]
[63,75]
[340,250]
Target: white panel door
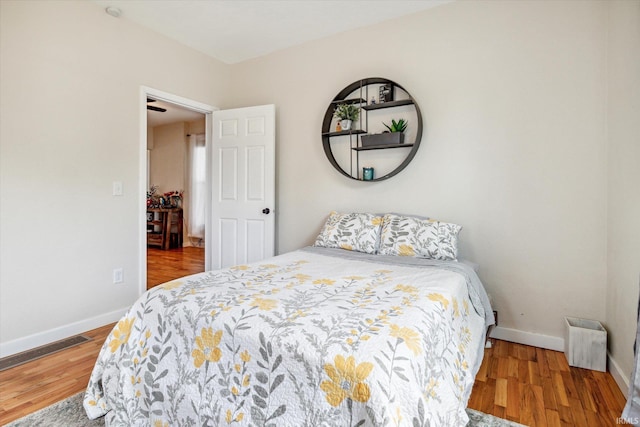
[243,186]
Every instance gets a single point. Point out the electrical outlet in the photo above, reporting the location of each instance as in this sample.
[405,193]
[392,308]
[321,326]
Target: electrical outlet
[118,275]
[495,314]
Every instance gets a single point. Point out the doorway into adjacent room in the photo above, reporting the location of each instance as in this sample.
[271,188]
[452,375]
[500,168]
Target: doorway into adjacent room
[238,210]
[176,188]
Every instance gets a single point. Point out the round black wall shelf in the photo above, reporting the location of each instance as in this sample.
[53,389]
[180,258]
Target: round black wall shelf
[387,95]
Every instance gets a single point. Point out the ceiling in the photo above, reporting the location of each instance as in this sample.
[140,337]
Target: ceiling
[237,30]
[174,114]
[233,31]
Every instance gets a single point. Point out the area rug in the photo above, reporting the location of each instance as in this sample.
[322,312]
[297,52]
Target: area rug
[70,413]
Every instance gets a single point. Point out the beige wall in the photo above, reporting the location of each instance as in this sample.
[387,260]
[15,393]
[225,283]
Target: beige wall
[169,157]
[70,78]
[149,138]
[530,141]
[513,96]
[196,127]
[623,225]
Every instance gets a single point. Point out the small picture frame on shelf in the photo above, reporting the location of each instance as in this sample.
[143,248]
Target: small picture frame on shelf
[385,93]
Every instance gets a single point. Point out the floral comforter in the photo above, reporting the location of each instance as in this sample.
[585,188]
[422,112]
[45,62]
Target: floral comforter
[309,338]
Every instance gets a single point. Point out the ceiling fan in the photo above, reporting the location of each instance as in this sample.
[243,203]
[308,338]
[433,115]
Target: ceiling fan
[153,107]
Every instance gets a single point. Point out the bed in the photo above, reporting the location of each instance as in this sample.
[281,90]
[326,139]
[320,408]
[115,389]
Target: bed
[322,336]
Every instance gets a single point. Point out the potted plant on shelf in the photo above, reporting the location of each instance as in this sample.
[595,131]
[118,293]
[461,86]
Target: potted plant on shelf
[347,114]
[394,134]
[398,126]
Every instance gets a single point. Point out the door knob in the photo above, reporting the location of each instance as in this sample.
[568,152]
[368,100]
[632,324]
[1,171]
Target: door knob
[266,211]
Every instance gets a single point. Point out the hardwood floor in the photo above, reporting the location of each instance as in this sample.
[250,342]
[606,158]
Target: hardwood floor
[537,387]
[26,388]
[163,266]
[37,384]
[529,385]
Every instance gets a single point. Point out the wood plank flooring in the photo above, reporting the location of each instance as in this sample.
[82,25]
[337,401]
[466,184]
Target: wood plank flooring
[26,388]
[537,387]
[35,385]
[529,385]
[163,266]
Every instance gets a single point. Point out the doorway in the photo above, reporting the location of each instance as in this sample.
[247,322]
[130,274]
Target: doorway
[175,141]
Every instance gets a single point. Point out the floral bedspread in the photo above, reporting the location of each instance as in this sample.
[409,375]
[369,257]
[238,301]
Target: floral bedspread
[303,339]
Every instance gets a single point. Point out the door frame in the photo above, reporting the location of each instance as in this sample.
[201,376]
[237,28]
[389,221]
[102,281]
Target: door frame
[200,107]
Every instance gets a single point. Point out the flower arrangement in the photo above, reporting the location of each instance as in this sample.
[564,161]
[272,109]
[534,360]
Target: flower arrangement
[174,197]
[170,199]
[152,197]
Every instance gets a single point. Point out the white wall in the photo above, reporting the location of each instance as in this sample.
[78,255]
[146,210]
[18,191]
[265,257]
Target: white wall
[70,78]
[623,225]
[513,95]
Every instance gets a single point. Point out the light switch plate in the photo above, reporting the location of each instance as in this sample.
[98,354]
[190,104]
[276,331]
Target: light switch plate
[118,275]
[117,188]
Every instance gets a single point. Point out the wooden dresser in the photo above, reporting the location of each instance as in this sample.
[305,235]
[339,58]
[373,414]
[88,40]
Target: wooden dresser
[164,227]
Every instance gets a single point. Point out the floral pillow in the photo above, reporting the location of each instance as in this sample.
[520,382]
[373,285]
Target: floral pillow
[414,237]
[352,231]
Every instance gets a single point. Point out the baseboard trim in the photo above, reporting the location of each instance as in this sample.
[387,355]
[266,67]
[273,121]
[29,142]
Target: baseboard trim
[42,338]
[618,375]
[528,338]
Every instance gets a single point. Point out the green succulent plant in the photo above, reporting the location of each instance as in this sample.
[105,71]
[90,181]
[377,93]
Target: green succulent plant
[346,112]
[398,126]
